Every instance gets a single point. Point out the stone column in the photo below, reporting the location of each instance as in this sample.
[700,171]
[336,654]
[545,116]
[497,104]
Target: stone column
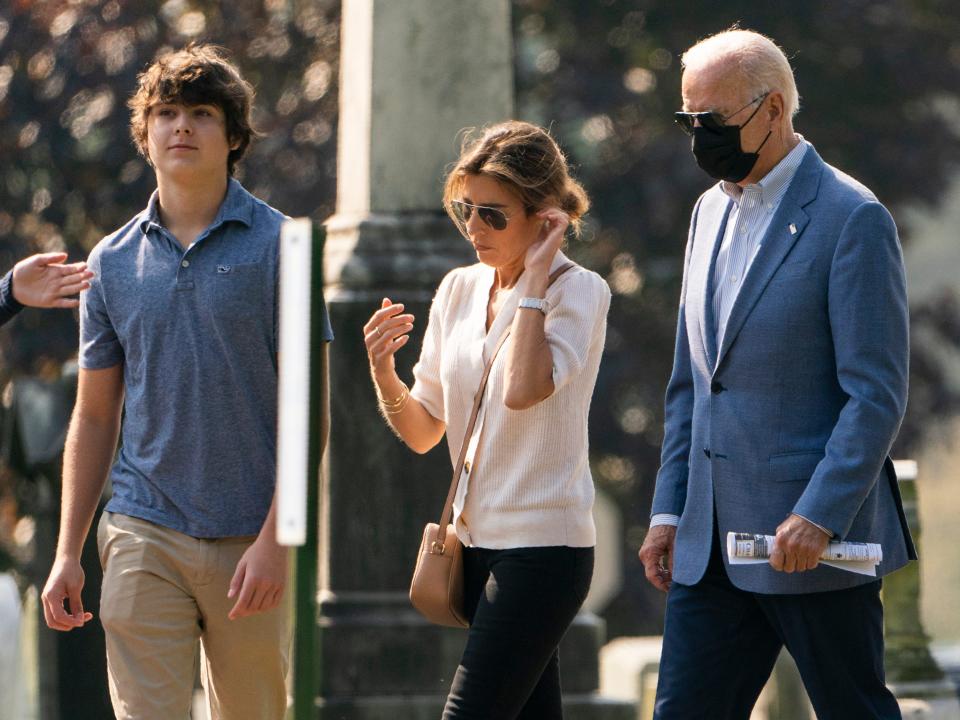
[413,74]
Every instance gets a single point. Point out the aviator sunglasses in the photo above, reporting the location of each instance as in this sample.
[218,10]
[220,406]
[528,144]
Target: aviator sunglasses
[712,120]
[493,217]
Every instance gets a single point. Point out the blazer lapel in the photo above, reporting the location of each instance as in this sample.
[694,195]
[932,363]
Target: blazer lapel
[785,229]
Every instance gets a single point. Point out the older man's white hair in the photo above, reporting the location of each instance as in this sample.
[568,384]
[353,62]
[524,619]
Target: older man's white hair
[763,65]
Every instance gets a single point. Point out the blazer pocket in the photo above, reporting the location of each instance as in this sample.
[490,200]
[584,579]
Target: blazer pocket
[799,465]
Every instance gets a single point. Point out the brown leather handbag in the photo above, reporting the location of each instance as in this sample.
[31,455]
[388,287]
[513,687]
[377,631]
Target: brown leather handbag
[436,590]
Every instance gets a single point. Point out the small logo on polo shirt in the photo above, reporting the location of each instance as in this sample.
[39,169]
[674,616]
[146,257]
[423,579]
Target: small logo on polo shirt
[223,269]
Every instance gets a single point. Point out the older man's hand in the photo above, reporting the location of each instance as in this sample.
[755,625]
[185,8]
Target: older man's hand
[656,554]
[43,281]
[798,545]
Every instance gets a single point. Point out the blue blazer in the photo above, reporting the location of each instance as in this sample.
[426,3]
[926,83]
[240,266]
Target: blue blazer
[797,410]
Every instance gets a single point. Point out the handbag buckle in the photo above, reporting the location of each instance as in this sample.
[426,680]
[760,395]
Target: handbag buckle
[437,548]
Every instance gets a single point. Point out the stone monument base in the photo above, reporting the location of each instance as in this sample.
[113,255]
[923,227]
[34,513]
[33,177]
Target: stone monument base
[927,700]
[429,707]
[382,661]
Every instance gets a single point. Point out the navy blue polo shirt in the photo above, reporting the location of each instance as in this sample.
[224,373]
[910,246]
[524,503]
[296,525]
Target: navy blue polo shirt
[196,333]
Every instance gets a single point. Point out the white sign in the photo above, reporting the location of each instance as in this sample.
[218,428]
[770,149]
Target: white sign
[293,431]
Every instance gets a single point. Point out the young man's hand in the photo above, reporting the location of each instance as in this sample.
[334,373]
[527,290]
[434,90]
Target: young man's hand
[65,583]
[260,578]
[43,281]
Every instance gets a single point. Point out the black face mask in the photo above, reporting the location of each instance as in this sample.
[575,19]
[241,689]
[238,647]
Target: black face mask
[718,151]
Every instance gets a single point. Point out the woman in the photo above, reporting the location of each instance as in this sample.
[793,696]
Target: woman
[523,507]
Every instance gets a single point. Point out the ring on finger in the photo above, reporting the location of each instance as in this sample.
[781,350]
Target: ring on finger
[379,334]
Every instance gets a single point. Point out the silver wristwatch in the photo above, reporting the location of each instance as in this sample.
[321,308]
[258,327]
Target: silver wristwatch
[533,303]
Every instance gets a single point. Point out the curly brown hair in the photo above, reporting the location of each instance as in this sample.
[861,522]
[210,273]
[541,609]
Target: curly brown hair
[199,74]
[526,160]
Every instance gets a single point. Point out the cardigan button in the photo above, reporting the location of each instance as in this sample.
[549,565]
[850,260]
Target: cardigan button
[466,467]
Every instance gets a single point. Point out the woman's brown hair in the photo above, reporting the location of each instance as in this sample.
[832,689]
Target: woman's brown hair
[526,160]
[199,74]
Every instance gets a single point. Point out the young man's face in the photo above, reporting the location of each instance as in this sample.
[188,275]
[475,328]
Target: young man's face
[187,142]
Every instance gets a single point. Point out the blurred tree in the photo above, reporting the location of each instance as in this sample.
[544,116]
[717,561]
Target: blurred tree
[71,174]
[878,83]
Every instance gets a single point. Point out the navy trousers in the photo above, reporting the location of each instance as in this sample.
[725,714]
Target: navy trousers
[720,644]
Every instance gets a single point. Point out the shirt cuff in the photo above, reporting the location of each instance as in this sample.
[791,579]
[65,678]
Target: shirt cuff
[664,519]
[829,533]
[7,300]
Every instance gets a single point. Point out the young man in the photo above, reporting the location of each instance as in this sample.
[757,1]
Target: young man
[179,328]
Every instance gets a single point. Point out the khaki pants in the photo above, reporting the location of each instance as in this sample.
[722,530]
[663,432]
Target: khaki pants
[162,591]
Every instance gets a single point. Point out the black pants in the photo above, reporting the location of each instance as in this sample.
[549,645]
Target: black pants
[520,603]
[720,644]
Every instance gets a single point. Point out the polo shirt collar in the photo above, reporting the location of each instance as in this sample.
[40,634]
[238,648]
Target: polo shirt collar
[237,206]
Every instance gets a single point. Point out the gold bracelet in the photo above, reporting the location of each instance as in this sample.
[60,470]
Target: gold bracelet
[402,403]
[383,401]
[404,392]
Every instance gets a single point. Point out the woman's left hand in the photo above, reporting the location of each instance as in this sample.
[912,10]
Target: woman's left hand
[541,253]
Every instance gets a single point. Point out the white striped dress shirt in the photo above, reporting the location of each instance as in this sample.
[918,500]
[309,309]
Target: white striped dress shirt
[753,209]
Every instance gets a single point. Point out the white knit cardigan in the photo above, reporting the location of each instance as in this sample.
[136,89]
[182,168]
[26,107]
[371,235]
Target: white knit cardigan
[526,482]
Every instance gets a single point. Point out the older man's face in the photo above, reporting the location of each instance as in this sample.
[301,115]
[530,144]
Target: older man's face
[717,87]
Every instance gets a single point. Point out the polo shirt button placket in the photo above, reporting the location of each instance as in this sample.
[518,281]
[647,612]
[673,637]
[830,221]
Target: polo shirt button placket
[184,275]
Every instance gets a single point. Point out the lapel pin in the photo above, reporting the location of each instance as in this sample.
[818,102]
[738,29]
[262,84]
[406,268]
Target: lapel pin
[793,229]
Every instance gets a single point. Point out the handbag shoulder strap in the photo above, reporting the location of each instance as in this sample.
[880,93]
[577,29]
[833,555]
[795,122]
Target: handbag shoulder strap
[447,513]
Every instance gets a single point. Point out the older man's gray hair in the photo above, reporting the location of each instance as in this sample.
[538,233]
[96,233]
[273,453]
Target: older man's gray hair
[763,65]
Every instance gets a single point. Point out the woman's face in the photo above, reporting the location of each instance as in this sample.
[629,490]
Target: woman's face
[496,248]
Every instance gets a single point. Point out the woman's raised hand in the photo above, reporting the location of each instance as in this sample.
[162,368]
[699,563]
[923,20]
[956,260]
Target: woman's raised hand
[386,332]
[541,253]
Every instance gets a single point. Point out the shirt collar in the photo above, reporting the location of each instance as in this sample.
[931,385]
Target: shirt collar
[237,206]
[773,185]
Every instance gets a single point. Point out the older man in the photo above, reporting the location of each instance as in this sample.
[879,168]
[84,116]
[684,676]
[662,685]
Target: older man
[788,387]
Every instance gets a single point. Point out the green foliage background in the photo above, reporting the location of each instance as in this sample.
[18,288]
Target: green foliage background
[878,82]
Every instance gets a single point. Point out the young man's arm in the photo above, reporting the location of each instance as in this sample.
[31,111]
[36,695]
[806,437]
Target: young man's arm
[261,574]
[90,448]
